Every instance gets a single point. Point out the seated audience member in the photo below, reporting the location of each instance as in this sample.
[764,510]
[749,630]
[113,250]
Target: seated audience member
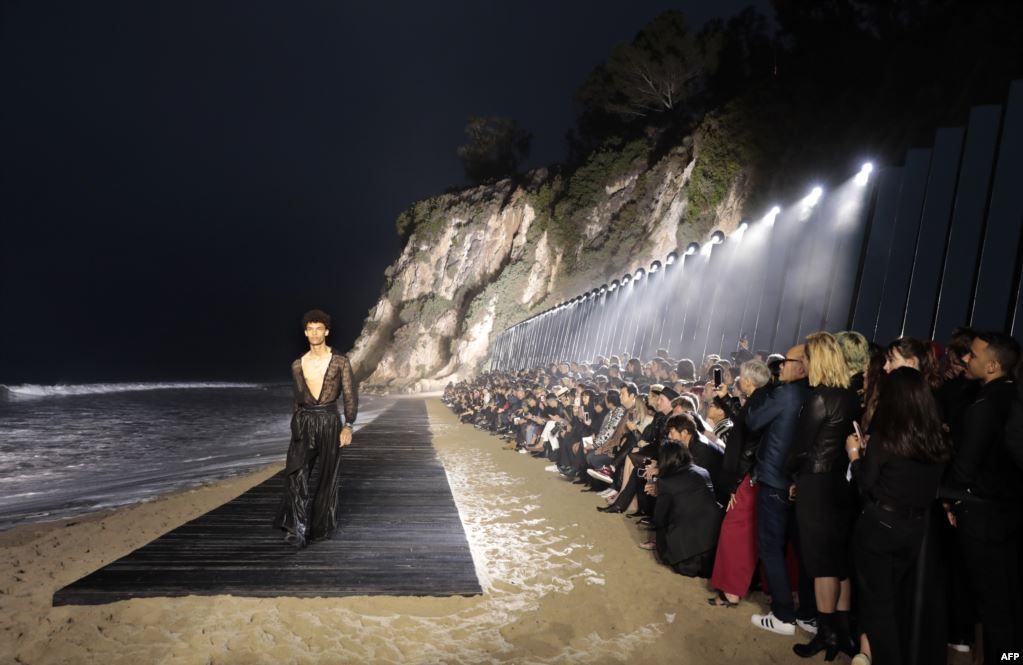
[706,454]
[687,517]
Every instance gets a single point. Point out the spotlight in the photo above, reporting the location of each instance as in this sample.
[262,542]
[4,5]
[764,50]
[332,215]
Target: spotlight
[707,249]
[693,248]
[640,274]
[717,237]
[864,175]
[626,278]
[742,227]
[655,266]
[671,258]
[813,197]
[603,289]
[615,284]
[771,216]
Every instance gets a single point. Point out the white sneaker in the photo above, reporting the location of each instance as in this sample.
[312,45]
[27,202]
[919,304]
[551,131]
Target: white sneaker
[600,475]
[606,493]
[523,451]
[551,467]
[809,625]
[772,623]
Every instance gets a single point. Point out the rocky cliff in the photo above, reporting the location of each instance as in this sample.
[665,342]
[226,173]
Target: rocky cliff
[484,258]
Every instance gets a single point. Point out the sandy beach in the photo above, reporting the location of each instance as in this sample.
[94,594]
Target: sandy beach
[562,583]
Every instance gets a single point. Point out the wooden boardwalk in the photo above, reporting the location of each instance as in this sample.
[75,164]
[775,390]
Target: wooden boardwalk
[400,534]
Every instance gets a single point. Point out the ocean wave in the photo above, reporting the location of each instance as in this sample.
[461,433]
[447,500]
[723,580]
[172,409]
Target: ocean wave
[33,391]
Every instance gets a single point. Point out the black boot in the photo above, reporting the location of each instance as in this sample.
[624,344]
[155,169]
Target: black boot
[825,640]
[845,637]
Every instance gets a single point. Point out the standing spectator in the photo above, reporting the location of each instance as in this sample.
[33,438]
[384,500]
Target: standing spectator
[898,476]
[987,513]
[824,504]
[736,556]
[777,417]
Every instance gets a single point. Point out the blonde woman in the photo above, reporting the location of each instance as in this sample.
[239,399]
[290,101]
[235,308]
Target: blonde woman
[824,503]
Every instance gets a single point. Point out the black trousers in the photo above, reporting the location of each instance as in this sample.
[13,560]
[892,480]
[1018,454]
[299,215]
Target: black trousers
[309,506]
[989,539]
[887,549]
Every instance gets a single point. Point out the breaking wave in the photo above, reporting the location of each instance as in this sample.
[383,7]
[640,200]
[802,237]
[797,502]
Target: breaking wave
[33,391]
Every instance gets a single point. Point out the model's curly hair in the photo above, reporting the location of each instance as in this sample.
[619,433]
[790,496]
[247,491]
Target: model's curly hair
[316,316]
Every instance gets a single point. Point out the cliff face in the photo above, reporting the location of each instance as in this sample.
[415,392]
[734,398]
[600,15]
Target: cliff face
[482,259]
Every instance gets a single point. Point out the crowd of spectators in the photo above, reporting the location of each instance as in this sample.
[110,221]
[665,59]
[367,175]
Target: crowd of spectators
[875,494]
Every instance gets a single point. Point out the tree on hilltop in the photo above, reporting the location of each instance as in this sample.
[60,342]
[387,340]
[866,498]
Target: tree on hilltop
[658,72]
[496,147]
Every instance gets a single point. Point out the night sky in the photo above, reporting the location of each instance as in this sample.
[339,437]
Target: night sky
[179,181]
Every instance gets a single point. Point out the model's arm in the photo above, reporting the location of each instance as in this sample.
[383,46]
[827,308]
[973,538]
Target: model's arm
[350,396]
[349,391]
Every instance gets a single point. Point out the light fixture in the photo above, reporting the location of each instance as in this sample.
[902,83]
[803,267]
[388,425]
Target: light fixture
[655,266]
[717,237]
[864,175]
[603,289]
[813,197]
[742,227]
[671,258]
[626,278]
[615,284]
[640,274]
[772,215]
[693,248]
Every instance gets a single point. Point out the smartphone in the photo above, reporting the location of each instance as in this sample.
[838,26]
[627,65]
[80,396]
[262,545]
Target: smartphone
[856,427]
[717,377]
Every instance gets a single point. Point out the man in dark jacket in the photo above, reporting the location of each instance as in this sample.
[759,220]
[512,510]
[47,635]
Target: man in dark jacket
[687,516]
[989,485]
[777,416]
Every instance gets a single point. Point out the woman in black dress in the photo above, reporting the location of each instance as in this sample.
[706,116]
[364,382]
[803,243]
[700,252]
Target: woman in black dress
[824,504]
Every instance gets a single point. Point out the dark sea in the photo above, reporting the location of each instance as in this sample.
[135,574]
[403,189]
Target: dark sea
[69,450]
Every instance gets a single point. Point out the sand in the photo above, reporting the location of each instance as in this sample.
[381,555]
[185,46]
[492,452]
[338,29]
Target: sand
[562,583]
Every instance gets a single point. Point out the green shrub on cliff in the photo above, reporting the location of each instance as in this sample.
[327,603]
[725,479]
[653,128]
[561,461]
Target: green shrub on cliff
[427,218]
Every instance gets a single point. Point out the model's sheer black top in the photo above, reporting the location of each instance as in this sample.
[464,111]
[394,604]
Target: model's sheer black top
[338,382]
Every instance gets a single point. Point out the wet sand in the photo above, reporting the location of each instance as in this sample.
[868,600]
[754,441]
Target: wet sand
[562,583]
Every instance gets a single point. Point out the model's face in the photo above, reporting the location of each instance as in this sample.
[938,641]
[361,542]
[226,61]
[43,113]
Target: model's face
[316,333]
[663,404]
[896,360]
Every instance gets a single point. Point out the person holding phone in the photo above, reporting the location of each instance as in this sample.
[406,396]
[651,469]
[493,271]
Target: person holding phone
[898,476]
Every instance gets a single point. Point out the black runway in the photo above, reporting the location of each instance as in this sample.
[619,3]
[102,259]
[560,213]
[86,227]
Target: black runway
[400,535]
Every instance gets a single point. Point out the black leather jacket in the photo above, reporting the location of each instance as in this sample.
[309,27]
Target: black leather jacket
[824,423]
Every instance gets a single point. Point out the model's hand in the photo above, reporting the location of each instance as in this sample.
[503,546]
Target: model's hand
[346,436]
[731,503]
